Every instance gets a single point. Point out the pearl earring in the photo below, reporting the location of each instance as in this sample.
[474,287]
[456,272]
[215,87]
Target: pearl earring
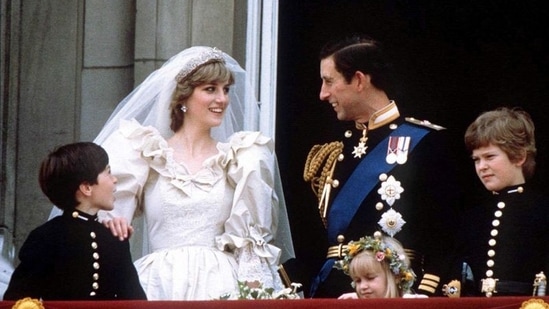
[184,108]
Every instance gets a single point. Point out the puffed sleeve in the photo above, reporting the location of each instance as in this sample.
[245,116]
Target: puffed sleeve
[128,165]
[252,224]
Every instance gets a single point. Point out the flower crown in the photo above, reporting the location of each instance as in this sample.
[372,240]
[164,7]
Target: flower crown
[207,56]
[404,274]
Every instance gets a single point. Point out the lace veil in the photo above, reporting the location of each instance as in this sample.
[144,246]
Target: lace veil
[149,104]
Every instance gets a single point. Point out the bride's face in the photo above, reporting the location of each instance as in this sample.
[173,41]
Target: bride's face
[207,104]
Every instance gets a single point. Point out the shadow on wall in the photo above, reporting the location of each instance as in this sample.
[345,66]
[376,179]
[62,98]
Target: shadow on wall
[7,257]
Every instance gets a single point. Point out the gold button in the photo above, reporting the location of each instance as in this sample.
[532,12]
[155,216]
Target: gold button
[96,256]
[92,293]
[95,265]
[335,183]
[348,133]
[340,239]
[95,276]
[92,235]
[340,157]
[491,253]
[94,245]
[95,285]
[75,214]
[489,273]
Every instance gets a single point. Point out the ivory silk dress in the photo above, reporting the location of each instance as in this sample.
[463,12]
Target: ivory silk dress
[205,230]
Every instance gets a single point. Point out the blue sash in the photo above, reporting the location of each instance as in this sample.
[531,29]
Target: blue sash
[361,182]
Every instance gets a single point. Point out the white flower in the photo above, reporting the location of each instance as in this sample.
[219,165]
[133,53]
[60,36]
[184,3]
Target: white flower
[391,222]
[390,190]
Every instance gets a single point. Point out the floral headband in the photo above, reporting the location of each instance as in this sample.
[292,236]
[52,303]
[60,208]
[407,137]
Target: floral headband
[404,274]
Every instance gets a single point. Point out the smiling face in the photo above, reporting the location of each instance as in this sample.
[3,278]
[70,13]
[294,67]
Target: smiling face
[494,168]
[206,105]
[336,91]
[102,194]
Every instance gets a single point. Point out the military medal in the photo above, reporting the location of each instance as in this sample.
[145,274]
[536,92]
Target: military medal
[402,151]
[392,150]
[391,221]
[390,190]
[360,150]
[397,149]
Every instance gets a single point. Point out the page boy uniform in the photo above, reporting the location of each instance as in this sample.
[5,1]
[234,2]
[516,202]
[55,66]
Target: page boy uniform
[74,257]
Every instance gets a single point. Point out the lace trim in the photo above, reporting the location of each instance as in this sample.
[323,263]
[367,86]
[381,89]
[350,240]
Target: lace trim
[251,268]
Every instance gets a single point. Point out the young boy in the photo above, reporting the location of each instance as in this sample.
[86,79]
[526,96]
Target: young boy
[73,256]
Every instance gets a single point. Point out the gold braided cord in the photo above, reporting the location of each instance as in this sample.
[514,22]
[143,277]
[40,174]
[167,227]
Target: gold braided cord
[321,158]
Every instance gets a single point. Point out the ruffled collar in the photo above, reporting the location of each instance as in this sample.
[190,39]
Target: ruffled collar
[159,155]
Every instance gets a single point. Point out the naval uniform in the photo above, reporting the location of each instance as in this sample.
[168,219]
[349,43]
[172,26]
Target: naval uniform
[506,239]
[427,204]
[74,257]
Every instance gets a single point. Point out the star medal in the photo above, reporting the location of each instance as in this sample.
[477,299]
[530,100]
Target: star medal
[361,148]
[390,190]
[391,221]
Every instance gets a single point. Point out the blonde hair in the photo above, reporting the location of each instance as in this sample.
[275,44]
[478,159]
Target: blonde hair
[366,262]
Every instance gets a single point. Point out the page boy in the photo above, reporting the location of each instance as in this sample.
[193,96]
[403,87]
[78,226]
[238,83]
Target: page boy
[73,256]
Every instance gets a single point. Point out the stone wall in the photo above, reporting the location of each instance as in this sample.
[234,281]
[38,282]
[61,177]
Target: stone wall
[66,64]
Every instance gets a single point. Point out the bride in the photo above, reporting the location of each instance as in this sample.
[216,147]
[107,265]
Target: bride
[207,188]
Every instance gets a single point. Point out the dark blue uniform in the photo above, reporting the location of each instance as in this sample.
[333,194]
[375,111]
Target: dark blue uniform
[506,238]
[74,257]
[428,205]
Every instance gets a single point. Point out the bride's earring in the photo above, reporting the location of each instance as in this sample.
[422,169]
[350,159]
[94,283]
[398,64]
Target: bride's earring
[184,108]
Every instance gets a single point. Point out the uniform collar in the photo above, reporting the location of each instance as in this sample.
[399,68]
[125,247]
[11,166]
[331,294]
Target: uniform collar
[381,117]
[511,190]
[77,214]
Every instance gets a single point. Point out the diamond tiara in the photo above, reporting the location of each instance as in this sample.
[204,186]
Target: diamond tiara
[203,58]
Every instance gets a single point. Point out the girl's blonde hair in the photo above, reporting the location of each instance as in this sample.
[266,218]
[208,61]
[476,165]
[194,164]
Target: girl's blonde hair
[366,262]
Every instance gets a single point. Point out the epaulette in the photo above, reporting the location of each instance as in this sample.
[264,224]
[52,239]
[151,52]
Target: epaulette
[425,123]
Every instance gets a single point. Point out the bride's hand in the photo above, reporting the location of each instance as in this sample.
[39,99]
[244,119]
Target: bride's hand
[119,227]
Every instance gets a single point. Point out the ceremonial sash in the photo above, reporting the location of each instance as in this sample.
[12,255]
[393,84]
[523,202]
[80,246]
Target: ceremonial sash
[361,182]
[364,178]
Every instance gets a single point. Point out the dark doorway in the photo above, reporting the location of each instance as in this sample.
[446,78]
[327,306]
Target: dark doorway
[454,59]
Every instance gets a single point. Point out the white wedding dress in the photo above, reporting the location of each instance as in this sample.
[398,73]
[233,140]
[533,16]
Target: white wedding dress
[205,230]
